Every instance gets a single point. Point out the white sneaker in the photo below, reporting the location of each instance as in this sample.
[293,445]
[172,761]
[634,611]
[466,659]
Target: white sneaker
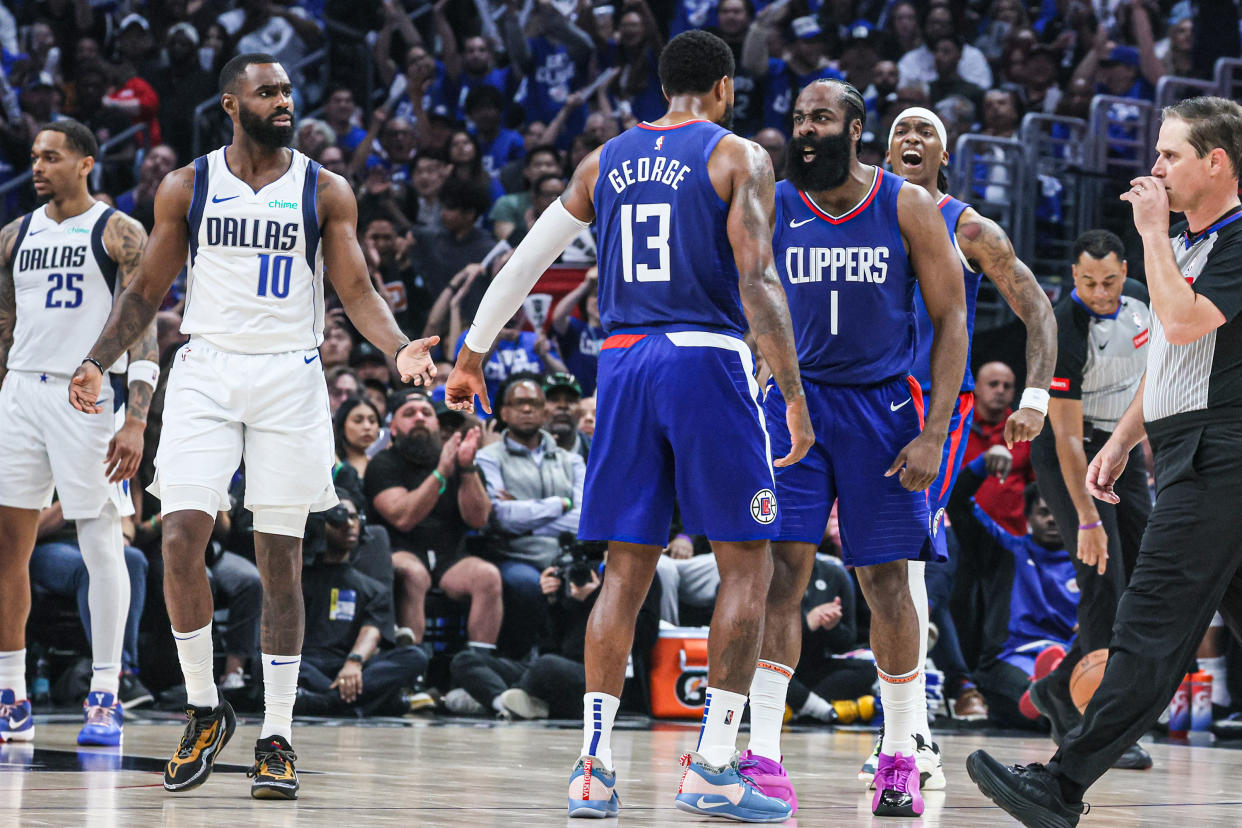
[931,768]
[523,705]
[866,774]
[460,703]
[233,681]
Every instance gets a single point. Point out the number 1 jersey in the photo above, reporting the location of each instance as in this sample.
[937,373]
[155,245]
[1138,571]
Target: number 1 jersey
[255,268]
[665,261]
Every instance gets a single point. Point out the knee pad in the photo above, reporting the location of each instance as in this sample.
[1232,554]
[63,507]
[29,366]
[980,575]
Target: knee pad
[281,520]
[183,497]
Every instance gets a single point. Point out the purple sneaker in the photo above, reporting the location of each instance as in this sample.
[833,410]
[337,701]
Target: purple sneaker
[769,777]
[897,787]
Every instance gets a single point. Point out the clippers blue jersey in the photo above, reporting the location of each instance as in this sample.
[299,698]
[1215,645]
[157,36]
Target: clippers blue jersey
[951,209]
[849,284]
[665,263]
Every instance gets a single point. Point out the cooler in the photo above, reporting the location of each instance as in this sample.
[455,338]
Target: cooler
[679,673]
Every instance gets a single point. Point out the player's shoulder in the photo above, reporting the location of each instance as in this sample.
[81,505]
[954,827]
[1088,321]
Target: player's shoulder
[177,188]
[123,236]
[8,236]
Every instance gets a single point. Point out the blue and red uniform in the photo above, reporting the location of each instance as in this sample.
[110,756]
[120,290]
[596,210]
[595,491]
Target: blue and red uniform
[678,415]
[851,296]
[964,415]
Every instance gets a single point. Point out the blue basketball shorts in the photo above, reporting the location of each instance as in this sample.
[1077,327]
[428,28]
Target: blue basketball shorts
[859,431]
[951,462]
[678,417]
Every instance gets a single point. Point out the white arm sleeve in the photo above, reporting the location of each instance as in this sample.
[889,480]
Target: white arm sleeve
[552,233]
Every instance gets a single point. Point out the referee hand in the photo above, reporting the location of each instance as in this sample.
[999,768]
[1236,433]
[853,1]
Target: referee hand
[1104,470]
[1150,201]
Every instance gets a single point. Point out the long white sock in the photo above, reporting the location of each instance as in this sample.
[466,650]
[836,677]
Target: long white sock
[280,689]
[103,551]
[13,672]
[1215,667]
[194,652]
[904,702]
[767,708]
[918,593]
[817,707]
[722,716]
[599,711]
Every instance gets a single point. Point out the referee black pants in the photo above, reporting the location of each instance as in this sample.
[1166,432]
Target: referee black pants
[1098,595]
[1188,566]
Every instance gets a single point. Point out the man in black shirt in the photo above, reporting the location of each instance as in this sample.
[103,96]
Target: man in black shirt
[342,668]
[1191,410]
[428,493]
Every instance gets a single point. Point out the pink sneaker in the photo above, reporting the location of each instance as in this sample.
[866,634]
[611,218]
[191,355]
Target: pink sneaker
[769,777]
[897,787]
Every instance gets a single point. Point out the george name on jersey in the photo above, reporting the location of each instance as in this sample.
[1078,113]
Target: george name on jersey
[43,258]
[266,234]
[668,171]
[804,265]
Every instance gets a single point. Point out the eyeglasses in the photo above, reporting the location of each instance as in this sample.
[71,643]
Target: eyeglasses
[536,404]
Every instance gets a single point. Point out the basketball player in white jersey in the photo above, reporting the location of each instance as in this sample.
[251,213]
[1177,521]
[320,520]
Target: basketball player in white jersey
[60,267]
[258,225]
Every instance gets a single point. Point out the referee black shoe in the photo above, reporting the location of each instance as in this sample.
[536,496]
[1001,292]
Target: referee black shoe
[273,772]
[206,733]
[1135,758]
[1028,793]
[1053,702]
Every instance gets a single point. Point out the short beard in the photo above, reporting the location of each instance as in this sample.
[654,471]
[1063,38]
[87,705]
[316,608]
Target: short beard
[418,449]
[263,132]
[726,120]
[828,170]
[558,427]
[525,433]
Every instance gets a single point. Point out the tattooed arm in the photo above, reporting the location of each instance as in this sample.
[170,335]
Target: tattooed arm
[989,250]
[8,294]
[751,220]
[135,308]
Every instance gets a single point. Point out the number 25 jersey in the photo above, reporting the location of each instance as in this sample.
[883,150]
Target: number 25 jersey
[255,266]
[665,260]
[849,285]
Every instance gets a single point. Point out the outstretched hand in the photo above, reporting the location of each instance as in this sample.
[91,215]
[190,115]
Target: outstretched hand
[415,364]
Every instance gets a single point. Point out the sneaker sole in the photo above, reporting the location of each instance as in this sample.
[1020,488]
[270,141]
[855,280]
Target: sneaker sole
[592,809]
[889,811]
[210,765]
[688,804]
[1022,810]
[101,742]
[272,792]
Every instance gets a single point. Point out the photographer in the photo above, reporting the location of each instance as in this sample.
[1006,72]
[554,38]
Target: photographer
[342,670]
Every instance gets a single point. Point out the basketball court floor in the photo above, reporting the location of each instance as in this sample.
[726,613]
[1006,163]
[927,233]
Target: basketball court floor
[475,773]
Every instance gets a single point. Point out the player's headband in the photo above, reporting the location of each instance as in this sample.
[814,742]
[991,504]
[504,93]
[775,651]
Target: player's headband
[927,115]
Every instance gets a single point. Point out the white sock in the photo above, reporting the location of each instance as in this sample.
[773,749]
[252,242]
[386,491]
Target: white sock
[767,708]
[904,703]
[722,716]
[103,551]
[918,593]
[817,707]
[280,688]
[481,645]
[194,652]
[1215,667]
[599,711]
[13,673]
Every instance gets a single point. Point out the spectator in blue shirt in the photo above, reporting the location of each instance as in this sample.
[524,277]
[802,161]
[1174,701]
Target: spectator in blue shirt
[339,111]
[475,67]
[580,337]
[805,61]
[552,59]
[498,146]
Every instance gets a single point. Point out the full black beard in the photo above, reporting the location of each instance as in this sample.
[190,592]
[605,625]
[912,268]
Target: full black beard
[263,132]
[829,168]
[726,120]
[418,448]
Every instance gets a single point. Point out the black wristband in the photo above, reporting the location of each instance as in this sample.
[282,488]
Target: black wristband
[94,362]
[401,348]
[354,657]
[471,469]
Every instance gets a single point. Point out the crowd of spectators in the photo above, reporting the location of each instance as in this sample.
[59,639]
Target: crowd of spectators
[452,561]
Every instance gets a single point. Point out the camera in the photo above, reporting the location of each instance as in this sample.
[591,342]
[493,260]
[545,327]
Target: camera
[576,559]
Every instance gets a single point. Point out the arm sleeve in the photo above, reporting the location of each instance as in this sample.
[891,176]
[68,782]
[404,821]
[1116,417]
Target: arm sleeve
[1221,278]
[1072,331]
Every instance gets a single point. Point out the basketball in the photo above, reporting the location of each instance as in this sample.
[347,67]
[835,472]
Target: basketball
[1086,677]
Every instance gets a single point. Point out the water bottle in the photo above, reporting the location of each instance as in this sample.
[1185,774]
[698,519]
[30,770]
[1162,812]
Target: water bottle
[41,689]
[1201,701]
[1179,710]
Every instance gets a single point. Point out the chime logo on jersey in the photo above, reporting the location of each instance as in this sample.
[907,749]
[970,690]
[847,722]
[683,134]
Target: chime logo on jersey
[763,506]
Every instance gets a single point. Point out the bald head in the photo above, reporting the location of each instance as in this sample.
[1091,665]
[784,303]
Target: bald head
[994,387]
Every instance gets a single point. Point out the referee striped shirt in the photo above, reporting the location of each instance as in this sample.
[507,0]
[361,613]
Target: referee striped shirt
[1201,382]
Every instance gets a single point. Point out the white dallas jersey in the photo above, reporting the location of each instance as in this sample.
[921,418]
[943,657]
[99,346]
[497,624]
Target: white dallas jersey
[255,267]
[65,284]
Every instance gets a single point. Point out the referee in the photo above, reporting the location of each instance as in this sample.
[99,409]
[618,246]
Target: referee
[1103,328]
[1189,560]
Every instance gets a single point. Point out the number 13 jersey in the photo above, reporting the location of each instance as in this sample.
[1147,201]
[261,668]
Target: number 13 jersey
[665,259]
[255,266]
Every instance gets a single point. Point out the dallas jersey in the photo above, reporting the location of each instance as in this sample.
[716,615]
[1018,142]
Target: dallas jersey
[65,284]
[951,209]
[255,267]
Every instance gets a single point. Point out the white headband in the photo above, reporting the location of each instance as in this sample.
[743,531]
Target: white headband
[927,115]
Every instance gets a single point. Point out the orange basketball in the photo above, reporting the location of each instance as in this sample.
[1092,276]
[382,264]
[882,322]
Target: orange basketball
[1086,677]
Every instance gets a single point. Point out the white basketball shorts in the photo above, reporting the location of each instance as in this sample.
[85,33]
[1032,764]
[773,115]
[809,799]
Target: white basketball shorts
[49,445]
[270,410]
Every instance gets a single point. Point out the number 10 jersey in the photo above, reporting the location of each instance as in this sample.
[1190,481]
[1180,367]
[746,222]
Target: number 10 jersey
[255,266]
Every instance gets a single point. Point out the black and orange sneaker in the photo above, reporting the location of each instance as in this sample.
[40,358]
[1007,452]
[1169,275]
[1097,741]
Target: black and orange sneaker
[206,733]
[273,772]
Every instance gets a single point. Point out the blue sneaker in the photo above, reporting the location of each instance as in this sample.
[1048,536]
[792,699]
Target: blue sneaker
[16,720]
[593,790]
[725,792]
[104,720]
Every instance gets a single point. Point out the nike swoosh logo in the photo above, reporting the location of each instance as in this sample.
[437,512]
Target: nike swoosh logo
[309,360]
[894,407]
[797,224]
[276,663]
[703,803]
[17,724]
[35,232]
[217,199]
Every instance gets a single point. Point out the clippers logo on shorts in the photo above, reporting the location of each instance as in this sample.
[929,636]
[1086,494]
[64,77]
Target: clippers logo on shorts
[692,689]
[342,605]
[1071,586]
[763,506]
